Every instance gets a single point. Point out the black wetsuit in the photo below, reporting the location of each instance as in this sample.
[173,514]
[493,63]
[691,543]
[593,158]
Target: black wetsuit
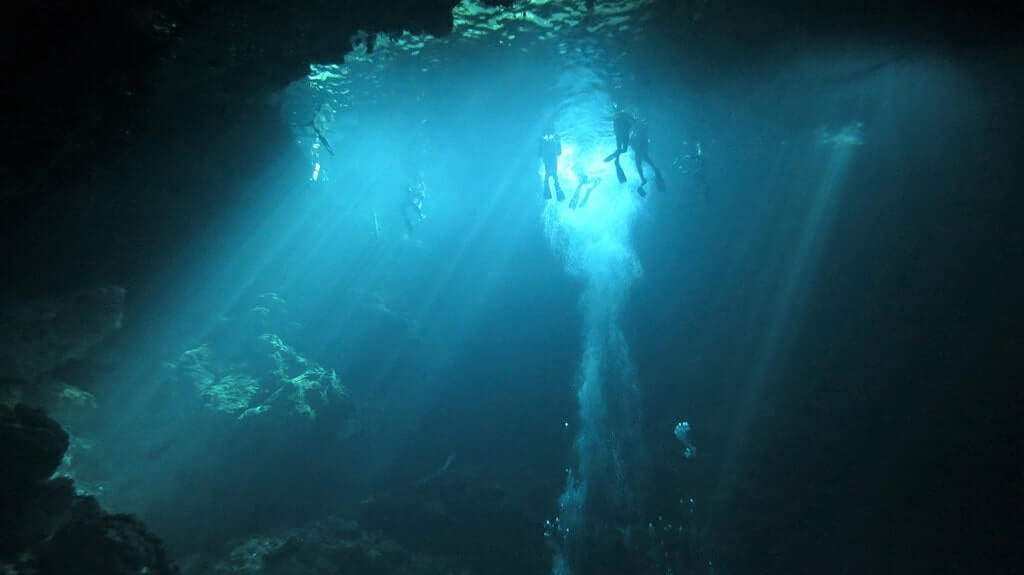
[584,180]
[550,149]
[699,175]
[622,123]
[641,153]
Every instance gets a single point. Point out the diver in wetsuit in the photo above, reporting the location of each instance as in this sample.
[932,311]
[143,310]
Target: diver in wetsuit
[622,124]
[550,149]
[584,180]
[699,175]
[412,207]
[641,153]
[323,140]
[320,122]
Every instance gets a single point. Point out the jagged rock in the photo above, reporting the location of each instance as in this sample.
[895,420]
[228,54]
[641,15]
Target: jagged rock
[43,334]
[246,373]
[45,528]
[96,542]
[32,513]
[31,445]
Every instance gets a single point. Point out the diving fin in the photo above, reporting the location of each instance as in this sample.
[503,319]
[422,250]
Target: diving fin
[621,174]
[611,156]
[641,191]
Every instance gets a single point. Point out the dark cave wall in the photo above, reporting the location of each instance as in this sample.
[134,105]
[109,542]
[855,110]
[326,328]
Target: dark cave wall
[124,122]
[84,74]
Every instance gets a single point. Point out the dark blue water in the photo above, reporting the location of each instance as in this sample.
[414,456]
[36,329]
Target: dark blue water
[788,294]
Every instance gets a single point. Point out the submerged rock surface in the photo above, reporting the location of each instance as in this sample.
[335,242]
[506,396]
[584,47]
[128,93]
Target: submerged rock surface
[45,528]
[247,373]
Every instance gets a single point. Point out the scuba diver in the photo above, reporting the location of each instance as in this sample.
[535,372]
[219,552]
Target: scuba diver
[641,153]
[550,149]
[699,175]
[412,206]
[320,123]
[323,140]
[622,124]
[692,164]
[584,180]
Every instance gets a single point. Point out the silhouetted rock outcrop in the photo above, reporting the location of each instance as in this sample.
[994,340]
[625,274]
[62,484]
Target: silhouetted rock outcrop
[31,446]
[45,528]
[96,542]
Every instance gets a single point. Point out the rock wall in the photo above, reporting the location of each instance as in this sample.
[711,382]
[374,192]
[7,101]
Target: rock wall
[45,528]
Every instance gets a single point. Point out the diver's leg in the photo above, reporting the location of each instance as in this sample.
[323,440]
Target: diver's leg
[551,173]
[621,145]
[657,174]
[586,197]
[639,159]
[640,166]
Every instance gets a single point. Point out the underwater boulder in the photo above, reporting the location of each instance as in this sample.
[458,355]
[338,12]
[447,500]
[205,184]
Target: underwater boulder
[246,371]
[301,384]
[31,513]
[254,379]
[96,542]
[45,528]
[31,445]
